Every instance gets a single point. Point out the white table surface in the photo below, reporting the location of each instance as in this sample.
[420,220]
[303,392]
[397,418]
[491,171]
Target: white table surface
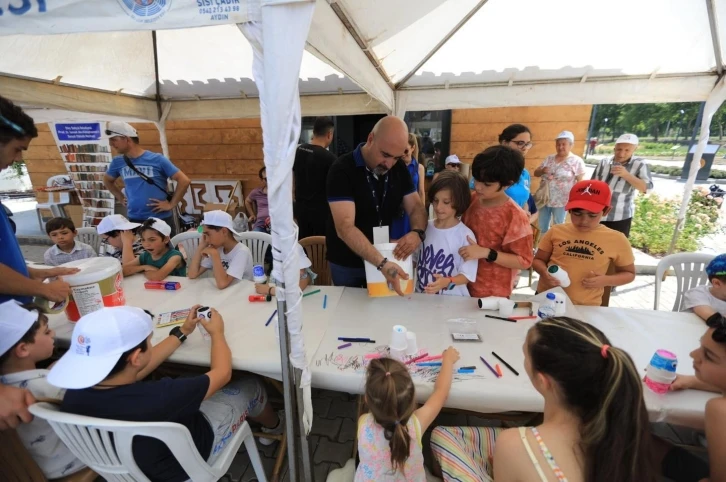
[254,346]
[640,332]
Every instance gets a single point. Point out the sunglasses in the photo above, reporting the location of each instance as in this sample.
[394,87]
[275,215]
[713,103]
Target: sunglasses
[114,134]
[718,323]
[12,125]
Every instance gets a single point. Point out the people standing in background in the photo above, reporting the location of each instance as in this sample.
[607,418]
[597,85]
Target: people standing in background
[312,163]
[257,204]
[452,163]
[519,138]
[626,175]
[401,225]
[591,146]
[145,176]
[560,171]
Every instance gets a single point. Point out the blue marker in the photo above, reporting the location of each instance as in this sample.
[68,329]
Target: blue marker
[325,302]
[465,370]
[428,364]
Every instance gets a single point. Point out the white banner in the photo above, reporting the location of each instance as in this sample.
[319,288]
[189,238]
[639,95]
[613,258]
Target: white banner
[72,16]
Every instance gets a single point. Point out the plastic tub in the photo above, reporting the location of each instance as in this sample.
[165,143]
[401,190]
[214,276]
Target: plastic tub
[98,284]
[377,284]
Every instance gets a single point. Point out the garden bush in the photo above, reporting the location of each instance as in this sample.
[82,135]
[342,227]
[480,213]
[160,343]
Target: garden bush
[655,220]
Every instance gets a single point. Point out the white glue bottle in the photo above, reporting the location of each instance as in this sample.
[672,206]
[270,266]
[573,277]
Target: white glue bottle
[548,308]
[560,275]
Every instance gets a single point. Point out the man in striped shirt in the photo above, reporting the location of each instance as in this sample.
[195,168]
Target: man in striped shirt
[626,175]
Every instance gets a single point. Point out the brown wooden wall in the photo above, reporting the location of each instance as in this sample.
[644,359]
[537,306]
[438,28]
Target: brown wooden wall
[215,149]
[473,130]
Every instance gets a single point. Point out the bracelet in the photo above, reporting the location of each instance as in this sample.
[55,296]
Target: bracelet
[382,264]
[269,290]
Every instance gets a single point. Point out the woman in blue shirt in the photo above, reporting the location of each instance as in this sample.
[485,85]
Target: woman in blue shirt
[401,224]
[518,137]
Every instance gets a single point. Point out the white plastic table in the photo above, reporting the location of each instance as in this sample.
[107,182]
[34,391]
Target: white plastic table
[254,346]
[639,332]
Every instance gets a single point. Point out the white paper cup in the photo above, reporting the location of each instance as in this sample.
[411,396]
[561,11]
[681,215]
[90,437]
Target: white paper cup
[506,307]
[560,304]
[490,303]
[397,354]
[398,338]
[412,345]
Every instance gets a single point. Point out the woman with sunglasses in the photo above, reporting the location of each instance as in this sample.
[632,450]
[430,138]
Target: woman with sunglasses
[709,363]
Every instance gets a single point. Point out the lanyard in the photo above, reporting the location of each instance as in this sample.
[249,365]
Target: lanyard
[372,184]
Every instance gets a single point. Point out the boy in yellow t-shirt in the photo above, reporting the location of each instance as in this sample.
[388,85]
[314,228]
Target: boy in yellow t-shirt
[585,248]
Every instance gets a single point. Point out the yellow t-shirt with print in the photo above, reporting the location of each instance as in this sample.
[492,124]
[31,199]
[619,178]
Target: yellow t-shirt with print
[580,253]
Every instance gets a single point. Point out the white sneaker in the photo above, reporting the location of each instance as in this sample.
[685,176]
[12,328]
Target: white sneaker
[279,430]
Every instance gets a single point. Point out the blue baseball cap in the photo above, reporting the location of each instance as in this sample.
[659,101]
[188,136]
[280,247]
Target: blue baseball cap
[717,266]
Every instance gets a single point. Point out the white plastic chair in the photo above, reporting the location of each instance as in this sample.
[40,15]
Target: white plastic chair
[690,271]
[105,445]
[258,244]
[55,207]
[189,241]
[90,237]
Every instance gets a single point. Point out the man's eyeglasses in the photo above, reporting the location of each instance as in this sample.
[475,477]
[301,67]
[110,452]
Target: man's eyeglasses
[718,323]
[522,144]
[12,125]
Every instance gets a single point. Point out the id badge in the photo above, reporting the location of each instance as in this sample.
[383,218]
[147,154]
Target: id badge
[381,235]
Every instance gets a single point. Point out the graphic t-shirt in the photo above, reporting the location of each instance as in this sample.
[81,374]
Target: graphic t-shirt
[48,451]
[138,191]
[440,255]
[579,253]
[181,270]
[237,263]
[505,229]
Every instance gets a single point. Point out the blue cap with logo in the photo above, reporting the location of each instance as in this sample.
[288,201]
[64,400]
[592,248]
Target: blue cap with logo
[717,266]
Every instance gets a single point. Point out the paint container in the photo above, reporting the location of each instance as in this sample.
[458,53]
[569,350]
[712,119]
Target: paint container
[97,285]
[661,371]
[377,283]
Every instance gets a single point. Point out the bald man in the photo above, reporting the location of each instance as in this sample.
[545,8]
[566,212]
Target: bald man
[365,190]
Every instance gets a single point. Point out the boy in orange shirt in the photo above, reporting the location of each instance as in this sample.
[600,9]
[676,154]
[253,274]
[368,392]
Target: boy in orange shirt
[584,248]
[503,242]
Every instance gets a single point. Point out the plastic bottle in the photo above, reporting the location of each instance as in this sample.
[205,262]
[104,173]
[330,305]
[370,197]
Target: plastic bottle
[258,274]
[559,274]
[547,309]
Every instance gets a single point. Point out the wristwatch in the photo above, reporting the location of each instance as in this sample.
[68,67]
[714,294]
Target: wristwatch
[176,331]
[452,285]
[421,234]
[492,256]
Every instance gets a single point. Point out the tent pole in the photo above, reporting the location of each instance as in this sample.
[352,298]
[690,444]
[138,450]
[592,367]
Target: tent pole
[590,129]
[156,77]
[709,108]
[715,36]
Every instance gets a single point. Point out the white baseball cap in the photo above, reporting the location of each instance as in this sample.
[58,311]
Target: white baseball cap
[98,341]
[627,139]
[15,321]
[160,225]
[115,222]
[566,135]
[116,129]
[219,219]
[452,159]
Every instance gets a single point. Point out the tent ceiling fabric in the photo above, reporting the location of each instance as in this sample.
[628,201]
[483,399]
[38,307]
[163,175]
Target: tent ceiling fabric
[520,44]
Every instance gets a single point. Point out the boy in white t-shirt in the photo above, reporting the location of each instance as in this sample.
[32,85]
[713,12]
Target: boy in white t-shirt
[228,259]
[441,269]
[25,340]
[707,300]
[307,276]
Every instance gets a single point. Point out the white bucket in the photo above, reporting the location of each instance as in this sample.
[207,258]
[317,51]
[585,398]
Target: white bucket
[98,284]
[377,284]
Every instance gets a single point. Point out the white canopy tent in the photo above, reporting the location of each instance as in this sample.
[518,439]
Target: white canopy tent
[159,60]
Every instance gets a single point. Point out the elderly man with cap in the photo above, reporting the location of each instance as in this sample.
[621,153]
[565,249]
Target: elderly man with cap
[626,175]
[145,176]
[559,172]
[452,163]
[366,189]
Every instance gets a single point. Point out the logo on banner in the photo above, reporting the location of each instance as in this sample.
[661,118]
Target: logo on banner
[145,11]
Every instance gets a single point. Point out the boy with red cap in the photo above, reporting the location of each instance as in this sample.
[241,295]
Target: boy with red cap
[584,248]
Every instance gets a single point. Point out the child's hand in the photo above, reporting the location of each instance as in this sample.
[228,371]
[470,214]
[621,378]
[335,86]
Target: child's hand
[595,281]
[191,322]
[551,280]
[128,237]
[262,289]
[148,267]
[215,326]
[210,252]
[473,251]
[683,382]
[440,283]
[450,356]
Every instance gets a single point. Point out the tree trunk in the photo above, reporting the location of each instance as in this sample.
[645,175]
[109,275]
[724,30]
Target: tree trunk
[720,131]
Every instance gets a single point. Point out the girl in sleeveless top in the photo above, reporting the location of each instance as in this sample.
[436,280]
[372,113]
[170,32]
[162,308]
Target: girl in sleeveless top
[389,437]
[595,425]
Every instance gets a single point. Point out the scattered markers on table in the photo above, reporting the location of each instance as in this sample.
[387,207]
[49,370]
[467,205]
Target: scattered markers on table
[418,358]
[344,345]
[505,363]
[522,317]
[499,370]
[271,317]
[311,293]
[356,340]
[465,370]
[489,366]
[428,364]
[501,318]
[325,301]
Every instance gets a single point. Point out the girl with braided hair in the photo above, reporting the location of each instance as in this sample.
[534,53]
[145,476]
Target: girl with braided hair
[389,436]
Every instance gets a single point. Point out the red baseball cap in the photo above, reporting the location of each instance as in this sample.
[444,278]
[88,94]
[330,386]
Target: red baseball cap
[593,196]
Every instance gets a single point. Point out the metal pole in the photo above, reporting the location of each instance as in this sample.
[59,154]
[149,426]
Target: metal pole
[300,466]
[590,129]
